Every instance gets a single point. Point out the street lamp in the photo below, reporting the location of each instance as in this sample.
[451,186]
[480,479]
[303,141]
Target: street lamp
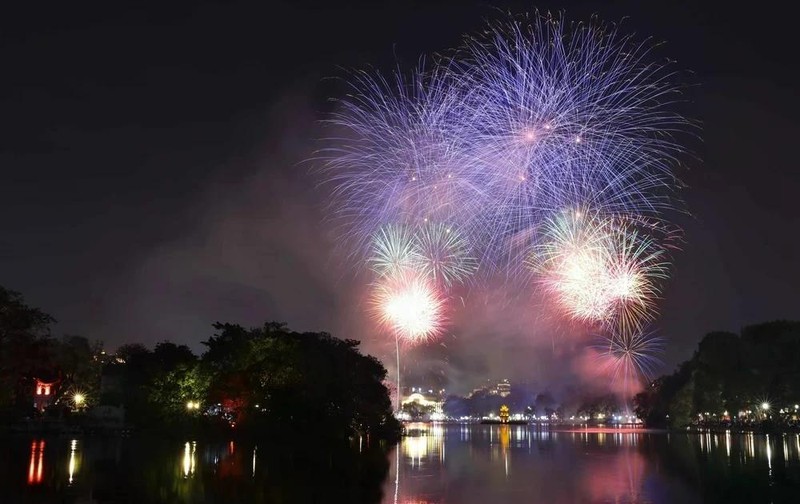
[79,399]
[192,405]
[765,406]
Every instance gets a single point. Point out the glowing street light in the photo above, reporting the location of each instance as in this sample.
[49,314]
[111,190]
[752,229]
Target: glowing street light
[192,405]
[765,406]
[78,399]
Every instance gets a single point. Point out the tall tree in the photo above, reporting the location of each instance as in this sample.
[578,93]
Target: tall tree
[24,348]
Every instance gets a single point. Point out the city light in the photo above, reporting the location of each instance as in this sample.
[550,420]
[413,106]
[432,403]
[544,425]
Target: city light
[78,399]
[189,458]
[765,406]
[73,462]
[192,405]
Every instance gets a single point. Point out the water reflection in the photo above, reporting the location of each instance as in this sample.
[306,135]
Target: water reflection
[466,464]
[189,458]
[149,470]
[74,461]
[507,463]
[36,464]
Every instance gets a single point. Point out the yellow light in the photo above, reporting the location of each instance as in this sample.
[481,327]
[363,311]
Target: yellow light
[78,399]
[765,406]
[188,459]
[72,461]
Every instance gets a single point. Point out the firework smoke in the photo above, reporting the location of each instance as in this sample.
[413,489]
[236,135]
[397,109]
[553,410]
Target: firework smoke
[538,142]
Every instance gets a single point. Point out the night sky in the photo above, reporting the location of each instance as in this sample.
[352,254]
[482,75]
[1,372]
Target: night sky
[154,175]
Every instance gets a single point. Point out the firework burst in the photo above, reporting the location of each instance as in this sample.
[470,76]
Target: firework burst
[600,269]
[410,306]
[631,355]
[471,159]
[533,115]
[394,250]
[562,112]
[444,255]
[398,158]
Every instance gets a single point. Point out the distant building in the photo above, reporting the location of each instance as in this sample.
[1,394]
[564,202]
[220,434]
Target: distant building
[504,388]
[426,399]
[43,393]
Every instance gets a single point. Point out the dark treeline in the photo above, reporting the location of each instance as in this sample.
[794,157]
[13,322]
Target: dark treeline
[747,380]
[532,405]
[483,402]
[257,380]
[27,352]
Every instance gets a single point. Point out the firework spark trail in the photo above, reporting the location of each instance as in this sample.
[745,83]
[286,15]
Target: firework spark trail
[631,355]
[435,250]
[399,161]
[394,249]
[531,116]
[444,255]
[408,305]
[637,265]
[565,114]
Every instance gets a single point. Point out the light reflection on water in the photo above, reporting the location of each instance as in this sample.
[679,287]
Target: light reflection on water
[507,463]
[467,464]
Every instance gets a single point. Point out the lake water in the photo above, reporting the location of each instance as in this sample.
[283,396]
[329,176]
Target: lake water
[467,464]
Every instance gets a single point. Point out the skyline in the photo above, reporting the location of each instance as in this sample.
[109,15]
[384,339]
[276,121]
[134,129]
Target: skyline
[101,237]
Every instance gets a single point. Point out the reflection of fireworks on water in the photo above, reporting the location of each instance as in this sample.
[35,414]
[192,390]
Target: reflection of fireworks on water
[631,355]
[393,250]
[444,254]
[600,269]
[410,305]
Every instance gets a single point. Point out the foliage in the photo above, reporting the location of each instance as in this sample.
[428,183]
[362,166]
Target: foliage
[417,411]
[728,373]
[264,379]
[25,349]
[600,407]
[273,377]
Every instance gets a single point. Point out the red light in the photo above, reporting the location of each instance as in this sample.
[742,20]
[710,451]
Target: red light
[36,464]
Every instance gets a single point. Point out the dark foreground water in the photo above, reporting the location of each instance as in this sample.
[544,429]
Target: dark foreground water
[441,464]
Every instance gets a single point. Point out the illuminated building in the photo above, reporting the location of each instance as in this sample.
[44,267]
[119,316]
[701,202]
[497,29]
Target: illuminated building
[504,388]
[433,401]
[43,393]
